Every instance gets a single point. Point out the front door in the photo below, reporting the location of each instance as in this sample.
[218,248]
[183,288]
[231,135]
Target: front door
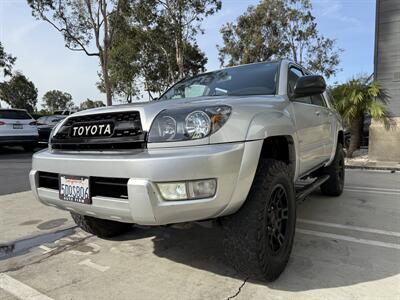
[311,128]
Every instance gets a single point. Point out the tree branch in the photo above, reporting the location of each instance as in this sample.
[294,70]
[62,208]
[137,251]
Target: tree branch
[80,49]
[66,31]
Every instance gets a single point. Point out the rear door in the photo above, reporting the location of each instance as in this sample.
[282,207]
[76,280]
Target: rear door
[327,123]
[16,123]
[309,124]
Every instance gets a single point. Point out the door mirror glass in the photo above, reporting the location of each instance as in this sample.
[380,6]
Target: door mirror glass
[309,85]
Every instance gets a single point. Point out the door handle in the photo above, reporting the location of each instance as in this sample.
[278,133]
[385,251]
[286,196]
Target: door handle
[317,112]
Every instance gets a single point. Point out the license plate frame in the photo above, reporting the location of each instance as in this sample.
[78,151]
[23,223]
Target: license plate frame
[74,189]
[18,126]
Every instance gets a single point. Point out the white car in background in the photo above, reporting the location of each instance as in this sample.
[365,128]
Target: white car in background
[18,127]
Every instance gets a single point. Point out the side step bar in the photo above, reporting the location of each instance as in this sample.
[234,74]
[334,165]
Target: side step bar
[303,192]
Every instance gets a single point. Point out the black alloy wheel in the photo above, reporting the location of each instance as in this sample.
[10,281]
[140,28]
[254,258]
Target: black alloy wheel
[277,216]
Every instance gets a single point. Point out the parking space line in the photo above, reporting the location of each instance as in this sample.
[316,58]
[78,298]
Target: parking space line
[88,262]
[371,191]
[351,227]
[348,238]
[19,289]
[373,188]
[46,249]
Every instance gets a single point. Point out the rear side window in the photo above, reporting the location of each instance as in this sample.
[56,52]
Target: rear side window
[14,114]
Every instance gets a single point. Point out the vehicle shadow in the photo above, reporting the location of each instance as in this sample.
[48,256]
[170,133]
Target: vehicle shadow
[315,263]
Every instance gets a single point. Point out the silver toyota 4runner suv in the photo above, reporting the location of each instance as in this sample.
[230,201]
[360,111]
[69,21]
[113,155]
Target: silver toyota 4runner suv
[231,145]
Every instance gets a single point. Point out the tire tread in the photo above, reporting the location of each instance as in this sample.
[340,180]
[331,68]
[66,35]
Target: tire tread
[243,231]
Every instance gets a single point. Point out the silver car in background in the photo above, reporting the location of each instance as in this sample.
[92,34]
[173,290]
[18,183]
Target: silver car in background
[18,128]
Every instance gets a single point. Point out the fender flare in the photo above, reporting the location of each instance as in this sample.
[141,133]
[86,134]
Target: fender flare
[274,123]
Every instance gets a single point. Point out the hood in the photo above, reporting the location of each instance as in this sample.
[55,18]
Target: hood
[149,110]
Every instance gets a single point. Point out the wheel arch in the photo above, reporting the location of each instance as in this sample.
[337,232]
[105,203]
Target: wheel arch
[278,147]
[282,148]
[340,138]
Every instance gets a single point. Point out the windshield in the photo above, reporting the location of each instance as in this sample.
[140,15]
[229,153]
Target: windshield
[254,79]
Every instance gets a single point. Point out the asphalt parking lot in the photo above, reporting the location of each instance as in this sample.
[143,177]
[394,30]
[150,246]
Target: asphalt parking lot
[345,248]
[15,164]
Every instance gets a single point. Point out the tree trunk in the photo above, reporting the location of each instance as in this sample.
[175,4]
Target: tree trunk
[179,40]
[179,58]
[106,78]
[104,54]
[355,139]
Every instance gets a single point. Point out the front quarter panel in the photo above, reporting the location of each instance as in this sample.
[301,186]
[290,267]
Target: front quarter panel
[270,123]
[254,118]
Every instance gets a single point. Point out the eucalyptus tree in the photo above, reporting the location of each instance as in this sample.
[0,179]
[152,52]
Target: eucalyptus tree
[184,18]
[57,100]
[279,28]
[85,26]
[19,92]
[150,52]
[6,61]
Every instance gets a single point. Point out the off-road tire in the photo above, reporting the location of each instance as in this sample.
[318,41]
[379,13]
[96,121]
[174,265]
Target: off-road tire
[100,227]
[246,232]
[334,185]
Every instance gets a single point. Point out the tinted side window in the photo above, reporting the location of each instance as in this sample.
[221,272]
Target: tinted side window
[318,100]
[293,75]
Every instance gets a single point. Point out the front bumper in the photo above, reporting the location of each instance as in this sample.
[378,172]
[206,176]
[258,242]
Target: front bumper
[233,165]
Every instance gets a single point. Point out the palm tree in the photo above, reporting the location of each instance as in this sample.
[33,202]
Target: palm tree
[356,98]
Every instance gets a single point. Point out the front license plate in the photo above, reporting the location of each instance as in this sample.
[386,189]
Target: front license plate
[75,189]
[17,126]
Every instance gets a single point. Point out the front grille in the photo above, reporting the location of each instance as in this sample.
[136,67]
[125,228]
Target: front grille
[99,186]
[127,133]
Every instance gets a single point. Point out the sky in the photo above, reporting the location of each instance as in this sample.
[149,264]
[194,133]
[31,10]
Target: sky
[43,58]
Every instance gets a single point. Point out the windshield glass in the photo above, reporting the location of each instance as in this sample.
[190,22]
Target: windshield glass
[254,79]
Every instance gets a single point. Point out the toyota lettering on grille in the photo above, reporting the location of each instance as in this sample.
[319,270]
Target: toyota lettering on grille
[89,130]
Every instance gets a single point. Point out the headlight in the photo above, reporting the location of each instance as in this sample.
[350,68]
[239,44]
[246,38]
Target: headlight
[53,132]
[188,123]
[197,125]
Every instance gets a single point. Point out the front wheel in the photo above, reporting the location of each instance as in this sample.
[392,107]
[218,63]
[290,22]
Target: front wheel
[258,239]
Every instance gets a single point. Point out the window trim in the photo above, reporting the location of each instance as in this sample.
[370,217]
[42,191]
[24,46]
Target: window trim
[305,72]
[291,66]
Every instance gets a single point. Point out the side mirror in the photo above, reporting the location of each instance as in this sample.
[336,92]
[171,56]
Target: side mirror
[309,85]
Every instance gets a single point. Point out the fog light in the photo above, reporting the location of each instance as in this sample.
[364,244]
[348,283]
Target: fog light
[202,188]
[173,190]
[196,189]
